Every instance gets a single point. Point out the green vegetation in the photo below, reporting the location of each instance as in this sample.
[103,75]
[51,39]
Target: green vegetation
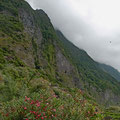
[46,27]
[113,112]
[46,103]
[30,85]
[110,70]
[9,6]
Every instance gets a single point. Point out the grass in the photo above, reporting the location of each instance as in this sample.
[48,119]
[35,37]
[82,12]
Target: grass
[113,112]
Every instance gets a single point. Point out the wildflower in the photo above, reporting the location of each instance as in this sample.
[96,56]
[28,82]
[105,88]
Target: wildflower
[54,96]
[54,110]
[88,112]
[25,108]
[95,112]
[26,98]
[39,115]
[7,114]
[32,102]
[42,118]
[34,112]
[38,104]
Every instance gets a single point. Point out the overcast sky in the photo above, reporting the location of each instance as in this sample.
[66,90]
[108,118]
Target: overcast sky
[93,25]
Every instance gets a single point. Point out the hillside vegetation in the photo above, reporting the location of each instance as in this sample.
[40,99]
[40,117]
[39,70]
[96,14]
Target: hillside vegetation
[94,78]
[112,71]
[43,75]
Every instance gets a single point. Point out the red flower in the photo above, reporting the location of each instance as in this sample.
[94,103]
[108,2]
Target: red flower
[26,98]
[54,110]
[38,104]
[25,108]
[7,114]
[88,112]
[42,118]
[34,112]
[32,102]
[39,115]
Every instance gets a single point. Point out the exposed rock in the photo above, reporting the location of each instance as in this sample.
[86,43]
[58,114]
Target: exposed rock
[66,68]
[63,65]
[28,21]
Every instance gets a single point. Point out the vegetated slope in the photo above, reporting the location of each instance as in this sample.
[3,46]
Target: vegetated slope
[96,81]
[34,64]
[31,86]
[112,71]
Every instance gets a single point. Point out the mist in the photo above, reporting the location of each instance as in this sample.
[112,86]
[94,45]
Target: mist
[92,25]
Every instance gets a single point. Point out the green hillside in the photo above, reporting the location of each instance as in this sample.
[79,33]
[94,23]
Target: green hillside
[94,78]
[43,75]
[112,71]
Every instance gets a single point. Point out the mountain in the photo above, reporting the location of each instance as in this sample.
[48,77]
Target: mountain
[96,81]
[43,75]
[112,71]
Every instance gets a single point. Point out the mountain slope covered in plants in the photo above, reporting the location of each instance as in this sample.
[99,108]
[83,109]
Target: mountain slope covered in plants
[43,75]
[112,71]
[96,80]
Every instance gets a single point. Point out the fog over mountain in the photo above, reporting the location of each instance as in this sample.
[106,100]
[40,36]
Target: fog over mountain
[93,25]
